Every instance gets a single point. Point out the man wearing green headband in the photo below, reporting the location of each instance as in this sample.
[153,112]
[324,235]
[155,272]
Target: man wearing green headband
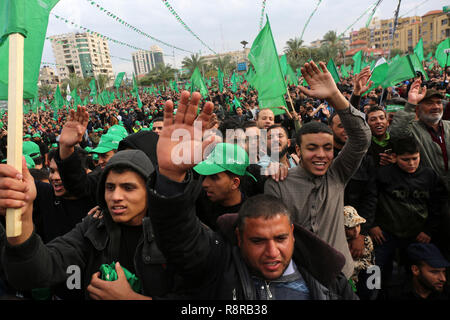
[223,172]
[258,254]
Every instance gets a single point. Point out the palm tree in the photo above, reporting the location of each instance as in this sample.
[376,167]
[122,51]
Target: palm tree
[165,73]
[225,64]
[333,45]
[192,62]
[45,90]
[102,81]
[294,52]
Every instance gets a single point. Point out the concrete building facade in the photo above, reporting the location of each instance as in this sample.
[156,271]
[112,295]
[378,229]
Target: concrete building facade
[86,55]
[145,61]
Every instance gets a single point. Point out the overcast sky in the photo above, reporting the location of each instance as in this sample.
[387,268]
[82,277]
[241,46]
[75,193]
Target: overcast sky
[221,24]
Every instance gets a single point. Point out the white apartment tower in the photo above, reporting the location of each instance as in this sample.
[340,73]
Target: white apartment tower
[144,61]
[86,55]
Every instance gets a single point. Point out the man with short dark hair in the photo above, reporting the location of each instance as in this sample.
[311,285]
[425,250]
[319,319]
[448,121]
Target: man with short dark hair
[158,124]
[381,145]
[314,190]
[266,257]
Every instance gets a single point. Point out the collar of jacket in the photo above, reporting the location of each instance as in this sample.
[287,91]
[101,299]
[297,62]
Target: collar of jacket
[105,231]
[311,253]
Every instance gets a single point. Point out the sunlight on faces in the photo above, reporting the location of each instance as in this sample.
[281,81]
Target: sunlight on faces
[55,180]
[316,152]
[267,245]
[126,197]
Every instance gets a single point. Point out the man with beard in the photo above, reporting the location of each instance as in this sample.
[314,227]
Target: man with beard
[427,281]
[432,133]
[278,142]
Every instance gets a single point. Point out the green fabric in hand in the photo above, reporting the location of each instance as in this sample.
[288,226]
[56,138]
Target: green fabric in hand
[108,273]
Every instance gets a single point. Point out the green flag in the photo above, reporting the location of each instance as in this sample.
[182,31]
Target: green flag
[29,18]
[135,90]
[344,72]
[250,76]
[417,65]
[119,79]
[93,88]
[283,64]
[234,82]
[175,86]
[357,65]
[333,70]
[291,77]
[220,77]
[58,98]
[269,80]
[441,56]
[85,101]
[429,57]
[399,70]
[197,83]
[418,50]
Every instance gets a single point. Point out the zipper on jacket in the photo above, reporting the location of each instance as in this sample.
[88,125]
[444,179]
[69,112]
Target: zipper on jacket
[269,294]
[234,294]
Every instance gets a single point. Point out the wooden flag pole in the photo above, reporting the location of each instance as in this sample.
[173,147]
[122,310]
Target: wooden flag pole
[15,123]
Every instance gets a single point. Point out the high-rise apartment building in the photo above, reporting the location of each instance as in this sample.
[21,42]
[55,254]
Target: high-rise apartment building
[85,54]
[144,61]
[433,27]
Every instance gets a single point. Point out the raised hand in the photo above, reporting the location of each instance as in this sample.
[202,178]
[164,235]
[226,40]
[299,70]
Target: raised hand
[361,82]
[322,85]
[180,144]
[416,92]
[73,130]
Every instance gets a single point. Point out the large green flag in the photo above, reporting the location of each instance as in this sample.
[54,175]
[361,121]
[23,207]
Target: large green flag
[399,70]
[357,65]
[333,70]
[419,50]
[175,86]
[197,83]
[250,76]
[283,64]
[135,90]
[440,55]
[93,88]
[429,56]
[220,77]
[76,99]
[269,80]
[29,18]
[119,79]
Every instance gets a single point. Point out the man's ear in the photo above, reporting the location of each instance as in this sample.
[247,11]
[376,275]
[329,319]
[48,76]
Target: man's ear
[236,183]
[297,151]
[415,270]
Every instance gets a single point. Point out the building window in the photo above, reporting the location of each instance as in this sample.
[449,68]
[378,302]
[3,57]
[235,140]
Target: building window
[444,22]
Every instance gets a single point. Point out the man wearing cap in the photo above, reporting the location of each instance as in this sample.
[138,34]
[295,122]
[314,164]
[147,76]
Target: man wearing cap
[137,126]
[258,254]
[32,149]
[427,279]
[42,146]
[222,173]
[123,235]
[432,133]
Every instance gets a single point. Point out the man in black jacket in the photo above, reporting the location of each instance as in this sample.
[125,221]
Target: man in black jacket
[272,258]
[123,234]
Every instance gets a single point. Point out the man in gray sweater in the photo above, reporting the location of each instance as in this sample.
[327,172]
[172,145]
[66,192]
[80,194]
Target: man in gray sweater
[314,191]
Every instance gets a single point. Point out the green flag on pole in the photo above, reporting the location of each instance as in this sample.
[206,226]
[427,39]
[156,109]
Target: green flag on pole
[58,98]
[234,81]
[357,65]
[417,65]
[399,70]
[269,80]
[442,53]
[220,77]
[119,79]
[344,72]
[29,18]
[197,83]
[418,50]
[291,77]
[93,88]
[333,70]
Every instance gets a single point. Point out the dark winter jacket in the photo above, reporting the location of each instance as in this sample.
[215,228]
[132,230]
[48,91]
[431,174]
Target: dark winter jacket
[208,259]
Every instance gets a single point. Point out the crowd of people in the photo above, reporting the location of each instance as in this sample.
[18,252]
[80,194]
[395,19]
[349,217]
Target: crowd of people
[341,194]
